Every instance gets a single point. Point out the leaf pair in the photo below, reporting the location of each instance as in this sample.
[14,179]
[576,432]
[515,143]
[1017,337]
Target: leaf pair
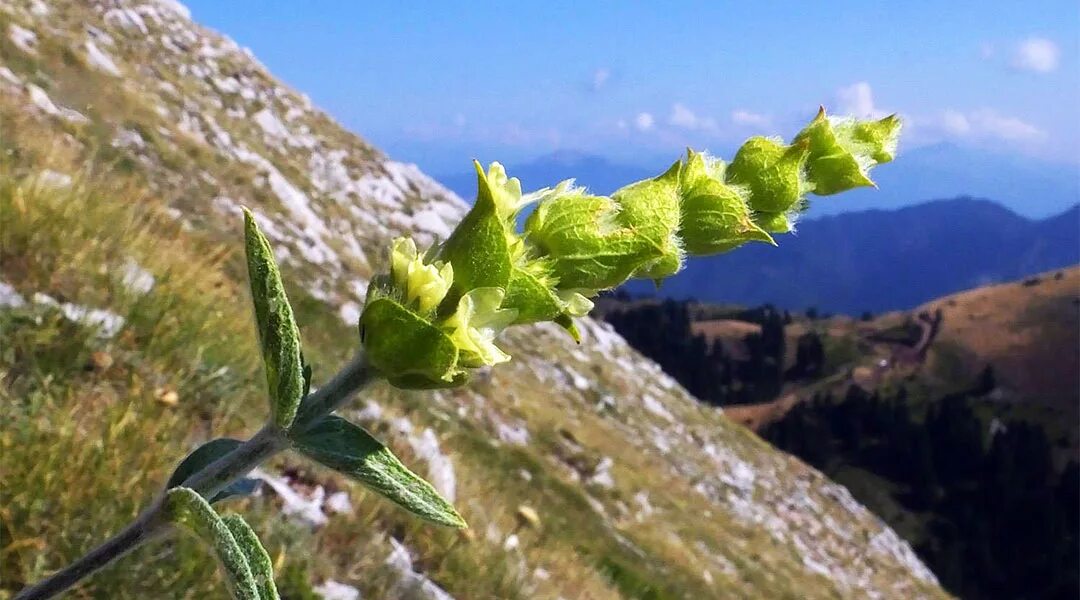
[248,570]
[204,456]
[346,448]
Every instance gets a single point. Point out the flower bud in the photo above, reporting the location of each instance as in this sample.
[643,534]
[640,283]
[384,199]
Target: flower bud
[428,322]
[650,208]
[776,222]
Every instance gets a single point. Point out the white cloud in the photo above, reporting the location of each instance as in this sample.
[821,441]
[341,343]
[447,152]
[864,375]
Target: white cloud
[644,121]
[857,100]
[988,124]
[955,122]
[750,119]
[1036,54]
[684,118]
[600,78]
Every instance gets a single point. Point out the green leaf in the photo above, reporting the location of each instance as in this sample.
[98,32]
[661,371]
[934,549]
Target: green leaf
[262,569]
[188,509]
[347,448]
[274,319]
[202,457]
[406,349]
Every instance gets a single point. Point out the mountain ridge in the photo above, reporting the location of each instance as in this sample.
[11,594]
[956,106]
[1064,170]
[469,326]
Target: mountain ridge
[880,260]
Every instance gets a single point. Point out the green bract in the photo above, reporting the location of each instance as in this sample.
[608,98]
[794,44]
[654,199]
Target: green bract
[428,325]
[715,215]
[772,173]
[842,151]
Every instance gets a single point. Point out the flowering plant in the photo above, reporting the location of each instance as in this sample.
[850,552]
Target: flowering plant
[435,316]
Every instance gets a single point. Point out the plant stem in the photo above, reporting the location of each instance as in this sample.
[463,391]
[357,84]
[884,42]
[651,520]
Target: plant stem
[353,376]
[213,478]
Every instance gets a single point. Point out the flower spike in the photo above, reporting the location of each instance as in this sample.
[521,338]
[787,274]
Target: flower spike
[488,276]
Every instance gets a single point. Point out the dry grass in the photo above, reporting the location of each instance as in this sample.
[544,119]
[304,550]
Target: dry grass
[1030,332]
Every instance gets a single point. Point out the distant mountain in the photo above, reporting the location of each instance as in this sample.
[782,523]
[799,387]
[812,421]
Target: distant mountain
[883,260]
[1029,187]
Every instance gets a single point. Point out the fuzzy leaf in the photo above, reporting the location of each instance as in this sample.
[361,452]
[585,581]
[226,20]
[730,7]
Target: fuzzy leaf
[278,334]
[202,457]
[409,351]
[262,569]
[345,447]
[188,509]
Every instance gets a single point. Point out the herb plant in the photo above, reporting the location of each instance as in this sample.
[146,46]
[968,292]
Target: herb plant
[433,319]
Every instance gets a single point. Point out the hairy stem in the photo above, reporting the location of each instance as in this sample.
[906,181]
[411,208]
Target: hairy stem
[353,376]
[216,476]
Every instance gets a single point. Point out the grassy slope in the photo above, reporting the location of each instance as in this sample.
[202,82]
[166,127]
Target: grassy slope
[83,448]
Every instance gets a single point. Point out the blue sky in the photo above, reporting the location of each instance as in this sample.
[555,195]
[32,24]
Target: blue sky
[440,83]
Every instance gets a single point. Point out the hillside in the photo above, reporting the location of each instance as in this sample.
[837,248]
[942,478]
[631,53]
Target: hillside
[955,421]
[1027,331]
[129,138]
[884,260]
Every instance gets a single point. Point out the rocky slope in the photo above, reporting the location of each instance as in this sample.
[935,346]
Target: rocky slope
[584,471]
